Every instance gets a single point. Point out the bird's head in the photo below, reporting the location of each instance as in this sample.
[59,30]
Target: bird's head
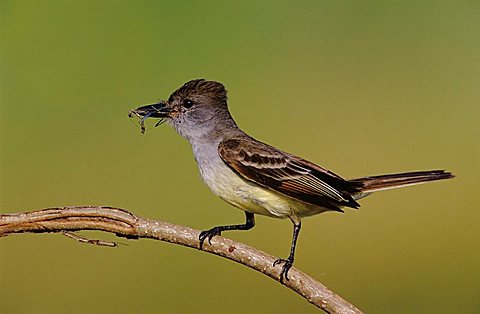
[196,108]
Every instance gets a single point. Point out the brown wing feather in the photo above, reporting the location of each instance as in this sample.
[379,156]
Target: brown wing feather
[287,174]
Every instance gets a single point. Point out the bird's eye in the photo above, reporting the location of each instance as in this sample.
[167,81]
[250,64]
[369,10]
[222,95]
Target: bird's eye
[187,103]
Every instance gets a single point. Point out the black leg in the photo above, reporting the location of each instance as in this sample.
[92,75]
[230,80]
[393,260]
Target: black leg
[287,263]
[249,224]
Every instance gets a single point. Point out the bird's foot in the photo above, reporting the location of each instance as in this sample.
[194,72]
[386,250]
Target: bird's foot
[208,234]
[287,264]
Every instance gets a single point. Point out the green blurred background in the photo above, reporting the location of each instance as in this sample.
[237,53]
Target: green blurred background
[362,88]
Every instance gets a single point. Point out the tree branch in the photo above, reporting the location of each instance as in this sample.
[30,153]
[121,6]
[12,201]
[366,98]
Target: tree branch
[125,224]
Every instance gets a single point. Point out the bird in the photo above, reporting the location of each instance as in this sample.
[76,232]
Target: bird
[255,177]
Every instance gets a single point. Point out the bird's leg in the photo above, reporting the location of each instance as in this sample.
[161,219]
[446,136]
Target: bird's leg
[288,262]
[209,234]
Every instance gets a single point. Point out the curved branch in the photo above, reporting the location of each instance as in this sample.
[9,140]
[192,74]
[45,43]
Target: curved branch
[125,224]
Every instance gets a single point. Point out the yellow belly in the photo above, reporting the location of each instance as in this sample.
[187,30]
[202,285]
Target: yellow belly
[253,198]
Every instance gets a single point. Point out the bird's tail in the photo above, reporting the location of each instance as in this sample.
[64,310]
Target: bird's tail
[368,185]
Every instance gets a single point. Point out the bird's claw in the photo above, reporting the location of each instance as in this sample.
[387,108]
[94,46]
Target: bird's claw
[287,264]
[208,234]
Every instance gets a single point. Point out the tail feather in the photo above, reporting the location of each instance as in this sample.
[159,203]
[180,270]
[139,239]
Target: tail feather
[391,181]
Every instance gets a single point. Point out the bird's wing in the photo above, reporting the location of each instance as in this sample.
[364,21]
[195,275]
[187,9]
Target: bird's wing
[290,175]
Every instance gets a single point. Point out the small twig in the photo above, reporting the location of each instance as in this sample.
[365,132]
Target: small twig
[81,239]
[124,224]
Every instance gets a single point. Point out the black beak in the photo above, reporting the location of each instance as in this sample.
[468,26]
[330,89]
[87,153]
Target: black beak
[158,110]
